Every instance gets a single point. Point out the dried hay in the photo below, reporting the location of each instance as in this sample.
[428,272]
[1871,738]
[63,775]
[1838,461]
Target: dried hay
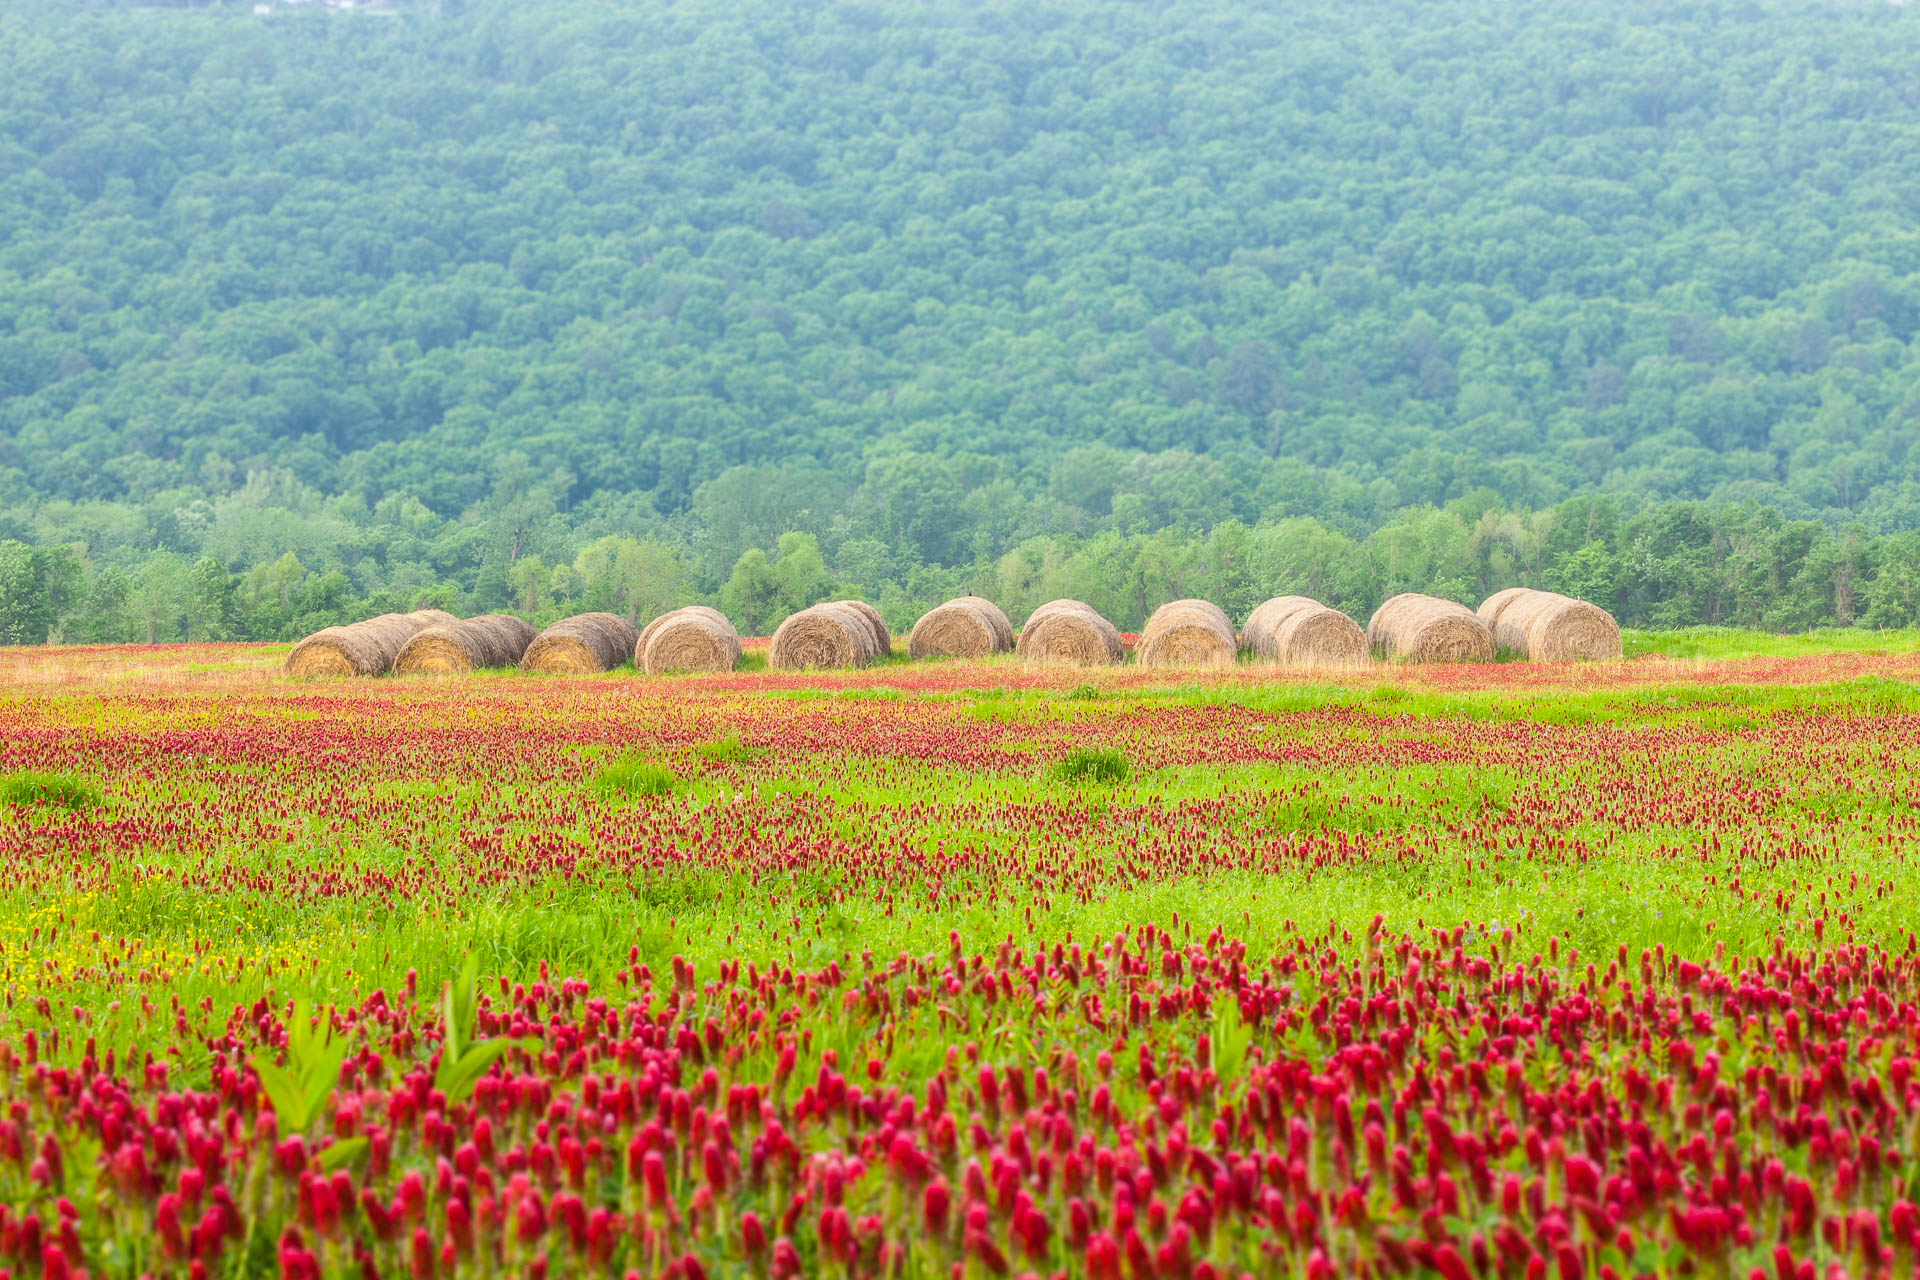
[712,615]
[1069,632]
[692,639]
[826,635]
[882,638]
[1420,628]
[361,648]
[959,629]
[1298,631]
[1545,626]
[1002,628]
[454,648]
[585,644]
[1187,633]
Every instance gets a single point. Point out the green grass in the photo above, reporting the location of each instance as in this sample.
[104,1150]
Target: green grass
[726,749]
[632,775]
[1740,642]
[49,791]
[1098,766]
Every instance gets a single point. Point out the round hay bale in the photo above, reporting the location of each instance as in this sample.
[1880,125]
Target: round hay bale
[646,635]
[1002,628]
[584,644]
[1257,635]
[692,639]
[1545,626]
[1297,631]
[361,648]
[824,636]
[882,638]
[1187,633]
[1420,628]
[957,629]
[1069,632]
[488,641]
[1494,605]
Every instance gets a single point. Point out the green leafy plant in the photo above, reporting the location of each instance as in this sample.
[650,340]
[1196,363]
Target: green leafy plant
[1098,765]
[50,790]
[464,1060]
[300,1090]
[1231,1039]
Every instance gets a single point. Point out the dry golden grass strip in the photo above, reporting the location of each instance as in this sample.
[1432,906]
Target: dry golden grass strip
[1298,631]
[361,648]
[1187,633]
[1417,628]
[1070,633]
[1545,626]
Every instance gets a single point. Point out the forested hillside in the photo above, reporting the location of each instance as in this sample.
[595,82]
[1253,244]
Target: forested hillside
[535,304]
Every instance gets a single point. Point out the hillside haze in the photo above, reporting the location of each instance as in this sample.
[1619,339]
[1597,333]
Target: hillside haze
[441,297]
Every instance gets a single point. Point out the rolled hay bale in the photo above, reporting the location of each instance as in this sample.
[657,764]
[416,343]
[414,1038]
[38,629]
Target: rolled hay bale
[960,628]
[585,644]
[454,648]
[1002,628]
[1069,632]
[1299,631]
[692,639]
[1187,633]
[697,610]
[1421,628]
[1545,626]
[361,648]
[882,638]
[823,636]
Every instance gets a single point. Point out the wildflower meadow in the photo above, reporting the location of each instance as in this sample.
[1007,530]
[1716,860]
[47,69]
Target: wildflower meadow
[963,970]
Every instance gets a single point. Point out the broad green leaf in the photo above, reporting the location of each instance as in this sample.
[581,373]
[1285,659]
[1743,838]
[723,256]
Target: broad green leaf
[345,1152]
[284,1092]
[457,1080]
[449,1025]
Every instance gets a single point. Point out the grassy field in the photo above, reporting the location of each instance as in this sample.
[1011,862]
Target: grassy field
[1200,899]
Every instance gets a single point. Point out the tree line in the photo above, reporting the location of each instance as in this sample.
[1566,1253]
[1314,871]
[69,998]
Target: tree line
[1674,564]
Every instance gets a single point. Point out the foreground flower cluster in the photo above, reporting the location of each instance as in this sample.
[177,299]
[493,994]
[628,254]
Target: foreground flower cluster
[1455,976]
[1148,1105]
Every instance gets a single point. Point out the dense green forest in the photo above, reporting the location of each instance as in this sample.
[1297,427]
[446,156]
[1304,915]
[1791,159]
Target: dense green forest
[534,305]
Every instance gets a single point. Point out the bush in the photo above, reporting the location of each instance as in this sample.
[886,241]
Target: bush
[1095,765]
[52,790]
[631,775]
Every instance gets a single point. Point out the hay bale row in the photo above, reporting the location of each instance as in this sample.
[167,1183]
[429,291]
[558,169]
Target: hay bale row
[1298,631]
[585,644]
[1069,632]
[1544,626]
[695,638]
[964,627]
[1420,628]
[839,633]
[361,648]
[1187,633]
[454,648]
